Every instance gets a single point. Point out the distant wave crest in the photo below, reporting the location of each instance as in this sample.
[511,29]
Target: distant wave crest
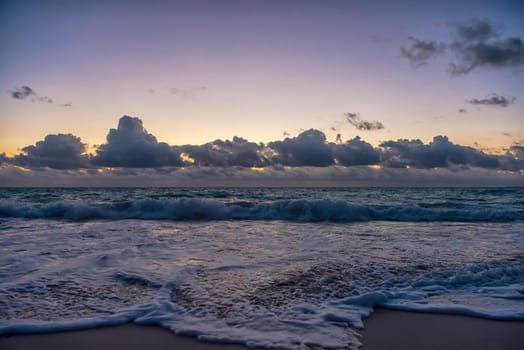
[187,209]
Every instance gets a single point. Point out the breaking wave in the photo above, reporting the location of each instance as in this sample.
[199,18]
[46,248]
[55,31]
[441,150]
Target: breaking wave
[300,210]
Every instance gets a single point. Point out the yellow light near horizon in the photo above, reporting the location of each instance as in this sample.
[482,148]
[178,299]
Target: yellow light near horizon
[186,158]
[258,169]
[375,166]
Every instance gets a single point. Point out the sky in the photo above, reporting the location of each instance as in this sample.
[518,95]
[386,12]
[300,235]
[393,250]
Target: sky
[268,92]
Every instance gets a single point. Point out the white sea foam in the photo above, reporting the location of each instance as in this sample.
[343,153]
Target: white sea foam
[262,283]
[302,210]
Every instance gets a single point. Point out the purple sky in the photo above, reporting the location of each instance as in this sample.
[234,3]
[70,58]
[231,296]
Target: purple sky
[198,71]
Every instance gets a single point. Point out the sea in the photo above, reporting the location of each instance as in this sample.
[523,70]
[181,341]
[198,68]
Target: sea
[289,268]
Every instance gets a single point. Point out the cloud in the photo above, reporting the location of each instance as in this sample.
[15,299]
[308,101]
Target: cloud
[441,153]
[493,100]
[21,93]
[59,151]
[25,92]
[238,152]
[477,29]
[505,53]
[354,119]
[307,149]
[477,43]
[517,151]
[130,150]
[462,110]
[130,145]
[271,177]
[419,52]
[356,152]
[3,158]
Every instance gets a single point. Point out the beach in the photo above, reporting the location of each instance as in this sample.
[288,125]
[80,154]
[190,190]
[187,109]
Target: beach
[385,329]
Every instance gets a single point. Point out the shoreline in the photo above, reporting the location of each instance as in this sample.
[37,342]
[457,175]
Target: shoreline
[384,329]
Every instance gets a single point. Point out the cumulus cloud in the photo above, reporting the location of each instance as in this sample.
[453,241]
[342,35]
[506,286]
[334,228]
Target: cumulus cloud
[130,145]
[130,149]
[419,52]
[493,100]
[356,152]
[307,149]
[354,119]
[59,151]
[440,153]
[238,152]
[3,158]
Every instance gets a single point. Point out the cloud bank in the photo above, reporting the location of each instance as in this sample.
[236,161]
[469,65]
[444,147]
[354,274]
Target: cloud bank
[131,154]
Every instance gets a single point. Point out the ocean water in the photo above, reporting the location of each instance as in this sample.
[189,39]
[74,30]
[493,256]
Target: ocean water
[290,268]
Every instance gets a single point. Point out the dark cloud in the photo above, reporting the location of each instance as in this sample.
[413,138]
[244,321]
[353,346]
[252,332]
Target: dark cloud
[356,152]
[130,145]
[504,53]
[477,43]
[462,110]
[477,29]
[271,177]
[419,52]
[3,158]
[238,152]
[130,149]
[55,151]
[22,93]
[493,100]
[441,153]
[307,149]
[513,160]
[517,151]
[354,119]
[25,92]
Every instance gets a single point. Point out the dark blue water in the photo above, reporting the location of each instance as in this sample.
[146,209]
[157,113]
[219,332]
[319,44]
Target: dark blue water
[300,204]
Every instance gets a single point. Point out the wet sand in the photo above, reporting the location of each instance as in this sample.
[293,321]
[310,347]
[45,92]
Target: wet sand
[385,329]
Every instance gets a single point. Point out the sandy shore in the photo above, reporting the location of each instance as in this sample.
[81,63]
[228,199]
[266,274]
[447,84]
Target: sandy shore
[384,330]
[387,329]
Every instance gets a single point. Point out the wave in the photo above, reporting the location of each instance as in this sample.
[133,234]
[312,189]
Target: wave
[187,209]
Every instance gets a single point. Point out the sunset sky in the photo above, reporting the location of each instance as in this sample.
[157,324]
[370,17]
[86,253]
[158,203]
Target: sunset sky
[197,71]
